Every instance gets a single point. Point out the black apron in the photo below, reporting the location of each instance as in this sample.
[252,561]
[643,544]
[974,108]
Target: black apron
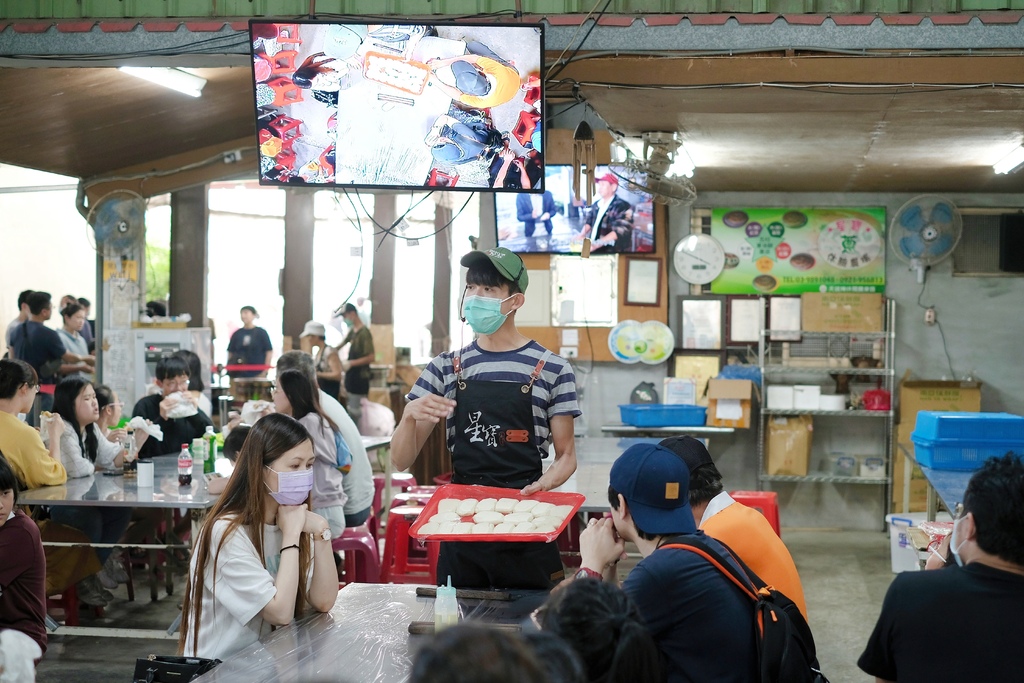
[495,445]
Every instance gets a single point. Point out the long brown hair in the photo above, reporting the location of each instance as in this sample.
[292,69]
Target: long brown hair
[241,505]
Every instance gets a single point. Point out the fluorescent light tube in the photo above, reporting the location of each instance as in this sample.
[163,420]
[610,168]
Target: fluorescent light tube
[175,79]
[1010,161]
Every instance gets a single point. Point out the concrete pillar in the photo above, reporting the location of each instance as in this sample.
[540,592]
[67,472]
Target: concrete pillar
[440,334]
[297,275]
[382,285]
[189,227]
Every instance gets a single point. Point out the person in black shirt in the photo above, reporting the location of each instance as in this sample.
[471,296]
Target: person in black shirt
[172,378]
[249,345]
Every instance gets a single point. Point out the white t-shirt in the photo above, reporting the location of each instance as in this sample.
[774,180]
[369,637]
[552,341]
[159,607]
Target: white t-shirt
[231,607]
[75,461]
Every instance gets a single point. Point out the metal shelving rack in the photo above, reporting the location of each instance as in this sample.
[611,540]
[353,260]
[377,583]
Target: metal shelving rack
[833,353]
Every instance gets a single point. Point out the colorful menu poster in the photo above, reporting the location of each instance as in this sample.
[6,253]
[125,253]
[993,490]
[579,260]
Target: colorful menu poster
[790,251]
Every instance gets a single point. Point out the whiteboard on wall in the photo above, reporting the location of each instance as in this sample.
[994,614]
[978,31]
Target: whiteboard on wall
[117,365]
[536,312]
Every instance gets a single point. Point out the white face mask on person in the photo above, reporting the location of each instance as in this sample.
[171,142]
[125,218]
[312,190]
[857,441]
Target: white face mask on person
[954,544]
[483,313]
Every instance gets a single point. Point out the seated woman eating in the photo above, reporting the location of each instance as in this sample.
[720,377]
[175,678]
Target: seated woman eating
[83,450]
[262,557]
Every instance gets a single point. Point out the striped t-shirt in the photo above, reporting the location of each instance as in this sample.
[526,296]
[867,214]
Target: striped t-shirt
[554,392]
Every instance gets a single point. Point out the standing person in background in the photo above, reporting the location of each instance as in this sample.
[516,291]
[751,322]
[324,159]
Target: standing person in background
[357,367]
[43,349]
[33,463]
[74,341]
[87,329]
[328,364]
[23,314]
[358,483]
[249,345]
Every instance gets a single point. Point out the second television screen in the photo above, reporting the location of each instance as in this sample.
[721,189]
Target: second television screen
[620,220]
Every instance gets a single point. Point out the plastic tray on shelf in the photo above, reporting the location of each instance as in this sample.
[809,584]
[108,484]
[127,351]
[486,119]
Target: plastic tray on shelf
[662,415]
[937,424]
[462,491]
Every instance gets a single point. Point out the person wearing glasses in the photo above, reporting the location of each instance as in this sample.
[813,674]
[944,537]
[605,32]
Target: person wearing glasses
[172,378]
[32,462]
[504,399]
[971,611]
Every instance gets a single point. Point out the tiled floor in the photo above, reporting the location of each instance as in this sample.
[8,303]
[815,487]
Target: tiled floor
[845,575]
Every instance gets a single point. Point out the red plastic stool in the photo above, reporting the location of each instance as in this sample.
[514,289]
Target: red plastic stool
[410,498]
[286,128]
[68,603]
[524,127]
[285,92]
[397,566]
[288,33]
[283,62]
[362,564]
[442,479]
[765,502]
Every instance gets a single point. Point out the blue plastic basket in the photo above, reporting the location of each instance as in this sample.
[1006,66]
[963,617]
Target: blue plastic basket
[662,415]
[935,425]
[954,454]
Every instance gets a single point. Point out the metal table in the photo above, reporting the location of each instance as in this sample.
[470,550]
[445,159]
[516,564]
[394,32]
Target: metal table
[116,490]
[363,638]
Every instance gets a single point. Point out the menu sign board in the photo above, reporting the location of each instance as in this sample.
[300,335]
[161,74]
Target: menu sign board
[791,251]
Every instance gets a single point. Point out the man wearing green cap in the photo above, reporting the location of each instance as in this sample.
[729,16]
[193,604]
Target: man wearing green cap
[504,398]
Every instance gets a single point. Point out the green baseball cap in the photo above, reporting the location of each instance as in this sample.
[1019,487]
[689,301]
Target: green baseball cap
[508,263]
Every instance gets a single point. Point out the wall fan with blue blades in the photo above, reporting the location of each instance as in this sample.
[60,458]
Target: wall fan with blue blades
[925,231]
[118,219]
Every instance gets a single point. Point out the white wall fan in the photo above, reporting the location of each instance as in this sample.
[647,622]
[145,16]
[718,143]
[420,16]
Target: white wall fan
[925,231]
[118,219]
[651,164]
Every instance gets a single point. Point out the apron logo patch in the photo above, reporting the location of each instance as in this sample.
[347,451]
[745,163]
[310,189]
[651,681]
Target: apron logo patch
[479,433]
[517,436]
[672,490]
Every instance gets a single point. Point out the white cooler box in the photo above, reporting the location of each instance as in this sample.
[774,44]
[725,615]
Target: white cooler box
[905,558]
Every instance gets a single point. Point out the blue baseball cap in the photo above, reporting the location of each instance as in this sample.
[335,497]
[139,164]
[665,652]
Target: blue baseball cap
[655,483]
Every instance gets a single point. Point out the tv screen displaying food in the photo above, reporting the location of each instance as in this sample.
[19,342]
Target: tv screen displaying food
[391,106]
[620,219]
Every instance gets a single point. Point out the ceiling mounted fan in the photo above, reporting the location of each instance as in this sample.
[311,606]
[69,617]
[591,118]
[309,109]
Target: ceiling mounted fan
[655,163]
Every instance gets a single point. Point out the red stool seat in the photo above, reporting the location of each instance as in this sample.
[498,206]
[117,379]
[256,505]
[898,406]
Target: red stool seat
[283,62]
[286,127]
[362,563]
[524,127]
[288,33]
[397,566]
[67,602]
[285,92]
[765,502]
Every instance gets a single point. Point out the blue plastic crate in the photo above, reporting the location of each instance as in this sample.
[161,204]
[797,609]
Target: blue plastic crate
[662,415]
[936,425]
[954,454]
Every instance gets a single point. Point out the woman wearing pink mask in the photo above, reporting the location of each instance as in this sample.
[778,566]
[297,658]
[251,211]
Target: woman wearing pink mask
[262,558]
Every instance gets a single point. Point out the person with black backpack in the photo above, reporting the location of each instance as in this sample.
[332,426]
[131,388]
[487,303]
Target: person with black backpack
[701,623]
[712,618]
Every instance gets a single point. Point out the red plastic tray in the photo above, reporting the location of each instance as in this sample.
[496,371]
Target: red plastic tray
[461,492]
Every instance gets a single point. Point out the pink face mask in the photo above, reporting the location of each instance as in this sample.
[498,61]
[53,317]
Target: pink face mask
[292,487]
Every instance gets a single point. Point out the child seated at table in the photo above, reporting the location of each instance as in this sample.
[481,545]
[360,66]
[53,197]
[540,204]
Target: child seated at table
[262,557]
[172,376]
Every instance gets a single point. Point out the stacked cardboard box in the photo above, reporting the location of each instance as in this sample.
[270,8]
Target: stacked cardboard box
[918,395]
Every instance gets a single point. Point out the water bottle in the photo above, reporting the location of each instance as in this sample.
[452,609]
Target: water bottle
[446,607]
[184,466]
[129,464]
[210,463]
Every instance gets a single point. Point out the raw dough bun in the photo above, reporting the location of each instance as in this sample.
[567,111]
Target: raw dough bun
[488,517]
[445,517]
[483,528]
[541,509]
[505,505]
[504,528]
[429,528]
[446,528]
[518,517]
[448,505]
[525,505]
[561,511]
[544,525]
[467,506]
[552,522]
[486,505]
[463,528]
[524,528]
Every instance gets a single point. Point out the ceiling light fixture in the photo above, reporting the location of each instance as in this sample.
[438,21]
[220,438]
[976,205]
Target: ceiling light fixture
[175,79]
[1010,162]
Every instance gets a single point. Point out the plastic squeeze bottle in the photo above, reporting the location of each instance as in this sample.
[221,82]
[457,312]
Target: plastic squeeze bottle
[446,607]
[210,463]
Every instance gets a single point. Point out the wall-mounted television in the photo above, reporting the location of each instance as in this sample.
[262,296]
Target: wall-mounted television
[392,106]
[620,220]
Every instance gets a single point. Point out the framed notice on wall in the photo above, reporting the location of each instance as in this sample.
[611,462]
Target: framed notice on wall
[796,250]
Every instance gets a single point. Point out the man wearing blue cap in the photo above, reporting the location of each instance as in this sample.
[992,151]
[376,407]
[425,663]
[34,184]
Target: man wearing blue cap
[700,621]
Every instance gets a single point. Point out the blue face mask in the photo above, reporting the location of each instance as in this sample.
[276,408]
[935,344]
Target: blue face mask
[484,313]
